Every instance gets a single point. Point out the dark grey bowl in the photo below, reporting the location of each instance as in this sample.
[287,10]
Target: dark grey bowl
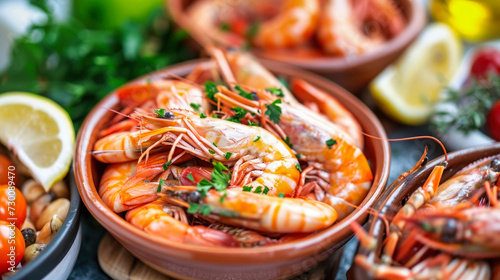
[399,191]
[59,246]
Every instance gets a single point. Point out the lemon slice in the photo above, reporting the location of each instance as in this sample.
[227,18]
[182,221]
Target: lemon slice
[40,132]
[409,89]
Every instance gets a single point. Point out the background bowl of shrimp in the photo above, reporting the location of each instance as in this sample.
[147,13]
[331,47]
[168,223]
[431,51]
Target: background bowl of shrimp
[352,71]
[398,193]
[185,260]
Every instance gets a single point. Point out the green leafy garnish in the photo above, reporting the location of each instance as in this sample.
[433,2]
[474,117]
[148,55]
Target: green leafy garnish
[193,208]
[215,116]
[211,90]
[274,111]
[195,106]
[224,26]
[472,107]
[77,63]
[166,165]
[256,139]
[228,155]
[247,188]
[253,29]
[199,208]
[160,183]
[190,177]
[298,155]
[244,93]
[287,141]
[330,143]
[276,91]
[239,112]
[258,190]
[211,151]
[221,199]
[297,166]
[266,190]
[202,116]
[220,180]
[282,195]
[214,144]
[250,123]
[160,112]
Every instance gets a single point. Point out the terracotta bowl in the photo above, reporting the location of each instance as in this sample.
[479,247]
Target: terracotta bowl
[398,193]
[189,261]
[352,73]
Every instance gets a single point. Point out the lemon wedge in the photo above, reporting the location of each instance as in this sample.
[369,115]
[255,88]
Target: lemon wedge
[409,89]
[39,132]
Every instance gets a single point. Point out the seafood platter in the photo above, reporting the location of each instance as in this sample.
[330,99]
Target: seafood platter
[220,154]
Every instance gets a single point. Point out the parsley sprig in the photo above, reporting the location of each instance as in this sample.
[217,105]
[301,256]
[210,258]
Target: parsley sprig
[274,111]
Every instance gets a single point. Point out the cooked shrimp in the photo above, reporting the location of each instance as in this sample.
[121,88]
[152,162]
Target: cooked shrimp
[156,218]
[262,212]
[341,33]
[292,26]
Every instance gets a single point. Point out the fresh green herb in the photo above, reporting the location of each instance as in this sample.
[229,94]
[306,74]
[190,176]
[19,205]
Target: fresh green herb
[266,190]
[233,119]
[256,139]
[193,208]
[247,188]
[287,141]
[202,116]
[214,144]
[160,183]
[211,151]
[426,227]
[281,195]
[190,177]
[160,112]
[330,143]
[224,26]
[258,190]
[77,64]
[215,116]
[244,93]
[274,111]
[226,213]
[472,106]
[219,178]
[166,165]
[239,112]
[276,91]
[297,166]
[195,106]
[228,155]
[253,29]
[211,90]
[221,199]
[250,123]
[298,155]
[205,210]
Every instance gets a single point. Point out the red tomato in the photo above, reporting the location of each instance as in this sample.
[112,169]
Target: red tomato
[12,205]
[493,121]
[11,246]
[197,173]
[6,166]
[485,61]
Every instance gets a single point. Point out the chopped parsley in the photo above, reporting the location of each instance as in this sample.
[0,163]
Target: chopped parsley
[244,93]
[221,199]
[214,144]
[256,139]
[250,123]
[198,208]
[276,91]
[247,188]
[274,111]
[330,143]
[211,90]
[228,155]
[166,165]
[211,151]
[220,180]
[282,195]
[160,112]
[297,166]
[215,116]
[253,29]
[195,106]
[266,190]
[287,141]
[202,116]
[224,26]
[298,155]
[239,112]
[258,190]
[160,183]
[190,177]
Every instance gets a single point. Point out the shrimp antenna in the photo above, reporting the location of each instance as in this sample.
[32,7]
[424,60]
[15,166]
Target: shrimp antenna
[122,114]
[410,138]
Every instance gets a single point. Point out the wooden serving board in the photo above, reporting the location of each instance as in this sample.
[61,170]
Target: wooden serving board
[118,263]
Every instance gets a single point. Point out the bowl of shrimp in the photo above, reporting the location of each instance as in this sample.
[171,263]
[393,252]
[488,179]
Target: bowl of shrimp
[215,169]
[437,221]
[347,41]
